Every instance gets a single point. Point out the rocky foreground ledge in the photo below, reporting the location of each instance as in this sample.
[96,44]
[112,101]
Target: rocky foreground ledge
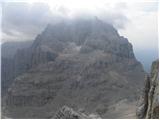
[68,113]
[149,102]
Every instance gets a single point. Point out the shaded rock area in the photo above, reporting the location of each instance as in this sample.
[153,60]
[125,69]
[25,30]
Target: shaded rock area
[149,102]
[9,49]
[7,74]
[8,62]
[81,64]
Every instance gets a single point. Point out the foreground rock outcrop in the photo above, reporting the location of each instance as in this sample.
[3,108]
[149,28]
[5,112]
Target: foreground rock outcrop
[68,113]
[82,64]
[149,102]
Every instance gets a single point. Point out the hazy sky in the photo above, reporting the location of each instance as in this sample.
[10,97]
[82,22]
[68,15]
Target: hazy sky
[138,21]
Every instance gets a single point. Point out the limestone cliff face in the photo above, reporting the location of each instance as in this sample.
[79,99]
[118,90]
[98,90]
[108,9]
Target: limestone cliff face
[149,102]
[82,64]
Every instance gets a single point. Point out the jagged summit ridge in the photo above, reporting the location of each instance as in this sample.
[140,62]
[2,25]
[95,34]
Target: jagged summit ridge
[88,34]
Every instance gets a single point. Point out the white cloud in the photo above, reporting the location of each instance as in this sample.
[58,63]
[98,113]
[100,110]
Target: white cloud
[142,30]
[135,20]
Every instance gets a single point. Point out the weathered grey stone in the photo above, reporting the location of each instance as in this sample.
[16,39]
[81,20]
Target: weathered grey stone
[143,102]
[149,101]
[68,113]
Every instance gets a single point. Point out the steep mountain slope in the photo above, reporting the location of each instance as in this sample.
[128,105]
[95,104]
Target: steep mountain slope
[7,74]
[83,64]
[9,49]
[8,66]
[149,102]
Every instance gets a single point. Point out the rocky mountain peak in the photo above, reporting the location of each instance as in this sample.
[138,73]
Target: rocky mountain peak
[89,34]
[80,63]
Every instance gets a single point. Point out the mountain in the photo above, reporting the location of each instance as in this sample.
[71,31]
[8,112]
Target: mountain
[8,51]
[84,64]
[149,102]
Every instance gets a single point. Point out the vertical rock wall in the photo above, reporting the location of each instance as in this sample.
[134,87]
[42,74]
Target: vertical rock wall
[149,102]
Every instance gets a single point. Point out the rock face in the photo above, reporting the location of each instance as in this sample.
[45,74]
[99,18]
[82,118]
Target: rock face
[149,102]
[7,73]
[8,68]
[9,49]
[81,63]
